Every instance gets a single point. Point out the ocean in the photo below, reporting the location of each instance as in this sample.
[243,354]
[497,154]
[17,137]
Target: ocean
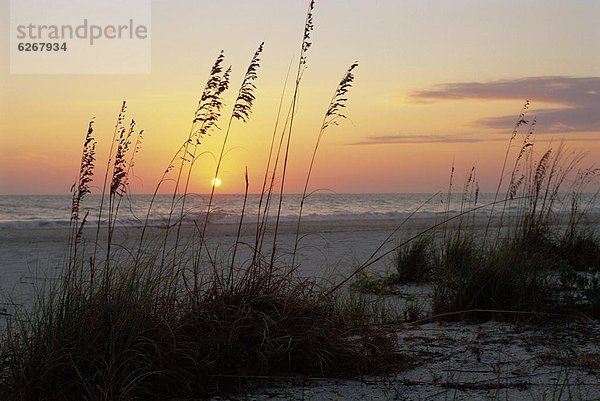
[38,211]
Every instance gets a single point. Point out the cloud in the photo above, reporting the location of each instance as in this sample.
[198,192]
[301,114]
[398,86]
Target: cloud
[574,119]
[560,90]
[428,139]
[388,139]
[578,100]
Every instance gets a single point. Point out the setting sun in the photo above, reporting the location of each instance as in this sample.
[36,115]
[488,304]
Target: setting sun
[216,182]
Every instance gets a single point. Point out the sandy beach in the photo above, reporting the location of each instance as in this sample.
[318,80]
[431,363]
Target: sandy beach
[328,249]
[470,361]
[326,246]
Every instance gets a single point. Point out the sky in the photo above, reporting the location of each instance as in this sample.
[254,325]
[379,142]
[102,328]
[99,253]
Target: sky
[439,83]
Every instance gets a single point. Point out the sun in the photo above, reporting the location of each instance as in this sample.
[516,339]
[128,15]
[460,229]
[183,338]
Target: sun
[216,182]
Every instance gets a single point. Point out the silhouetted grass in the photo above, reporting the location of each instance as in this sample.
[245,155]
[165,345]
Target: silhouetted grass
[127,340]
[504,279]
[536,258]
[516,269]
[415,262]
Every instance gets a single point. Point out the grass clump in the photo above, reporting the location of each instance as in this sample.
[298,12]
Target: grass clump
[124,341]
[532,255]
[582,252]
[514,266]
[233,335]
[74,346]
[368,284]
[505,280]
[415,261]
[545,275]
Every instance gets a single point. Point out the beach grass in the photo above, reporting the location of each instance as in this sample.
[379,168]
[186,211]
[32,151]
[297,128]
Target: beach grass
[514,267]
[537,258]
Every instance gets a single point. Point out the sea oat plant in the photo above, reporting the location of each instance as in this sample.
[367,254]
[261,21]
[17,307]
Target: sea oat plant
[242,109]
[332,117]
[289,126]
[109,165]
[80,189]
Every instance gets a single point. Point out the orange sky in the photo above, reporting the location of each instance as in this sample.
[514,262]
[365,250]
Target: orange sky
[438,82]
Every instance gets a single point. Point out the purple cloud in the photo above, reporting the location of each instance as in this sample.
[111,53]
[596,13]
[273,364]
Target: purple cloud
[578,100]
[387,139]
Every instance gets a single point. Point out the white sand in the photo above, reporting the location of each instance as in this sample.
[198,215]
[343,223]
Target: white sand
[458,361]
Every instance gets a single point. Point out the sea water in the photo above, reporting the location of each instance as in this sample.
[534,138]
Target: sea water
[32,211]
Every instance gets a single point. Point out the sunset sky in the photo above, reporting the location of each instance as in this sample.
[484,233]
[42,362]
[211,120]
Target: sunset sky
[438,82]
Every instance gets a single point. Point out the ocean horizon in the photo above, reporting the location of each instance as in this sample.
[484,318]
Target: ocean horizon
[31,211]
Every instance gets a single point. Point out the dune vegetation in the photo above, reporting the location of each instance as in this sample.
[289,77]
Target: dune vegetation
[529,252]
